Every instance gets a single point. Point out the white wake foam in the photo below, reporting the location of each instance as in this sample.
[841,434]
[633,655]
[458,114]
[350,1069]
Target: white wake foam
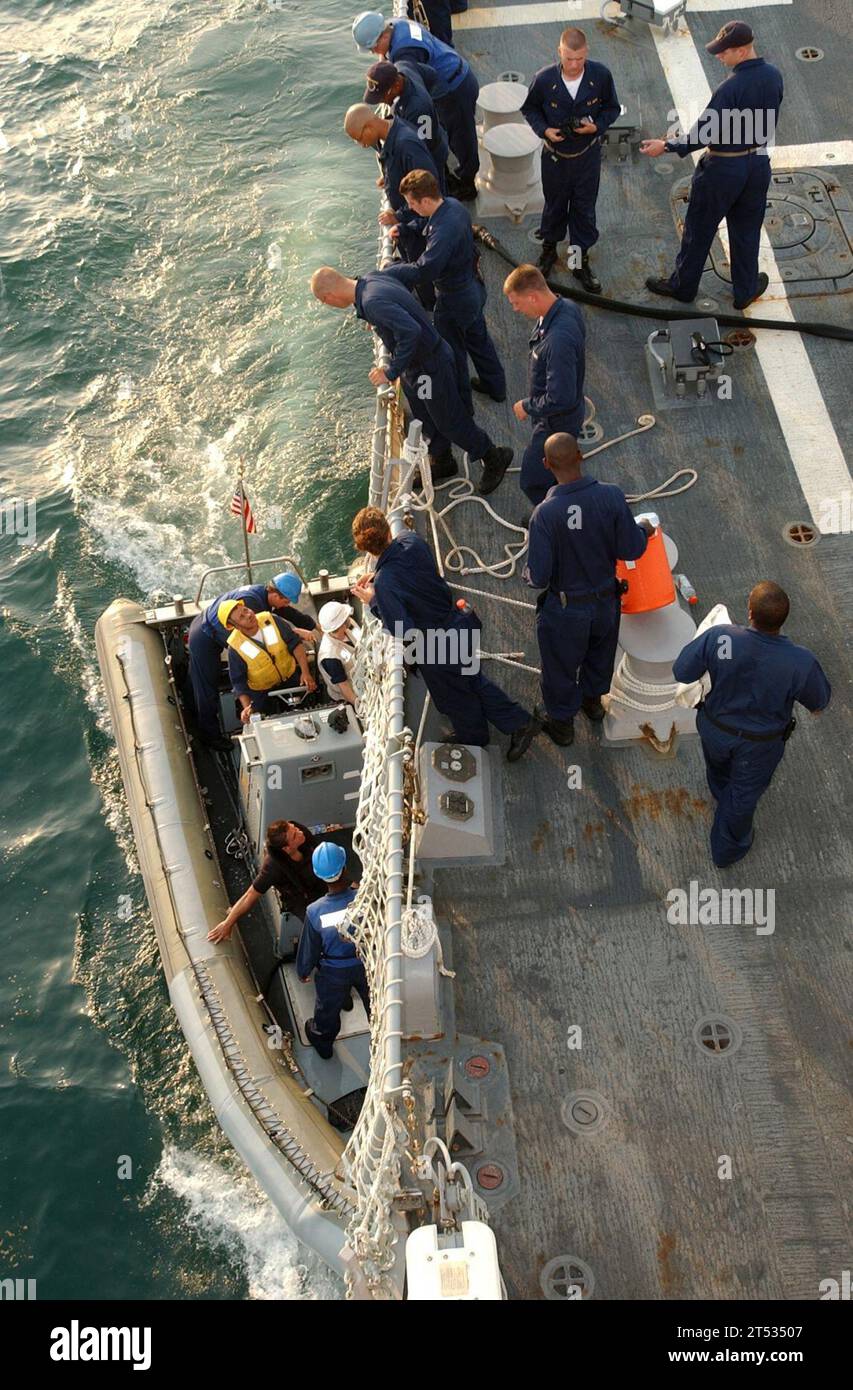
[233,1215]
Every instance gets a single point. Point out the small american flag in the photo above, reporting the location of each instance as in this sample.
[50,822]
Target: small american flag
[240,507]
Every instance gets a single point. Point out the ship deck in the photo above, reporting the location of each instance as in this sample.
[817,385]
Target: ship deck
[573,930]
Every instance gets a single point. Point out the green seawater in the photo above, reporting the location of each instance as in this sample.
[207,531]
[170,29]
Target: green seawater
[172,171]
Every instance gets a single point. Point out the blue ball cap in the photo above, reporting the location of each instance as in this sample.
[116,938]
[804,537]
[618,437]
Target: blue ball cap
[329,861]
[366,29]
[288,585]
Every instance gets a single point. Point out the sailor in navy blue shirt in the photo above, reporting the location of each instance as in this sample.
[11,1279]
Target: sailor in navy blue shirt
[399,150]
[327,949]
[570,105]
[405,90]
[732,177]
[554,402]
[455,92]
[413,602]
[450,263]
[575,538]
[757,676]
[423,362]
[208,638]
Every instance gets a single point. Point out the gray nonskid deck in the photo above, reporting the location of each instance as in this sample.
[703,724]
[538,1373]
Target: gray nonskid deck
[573,931]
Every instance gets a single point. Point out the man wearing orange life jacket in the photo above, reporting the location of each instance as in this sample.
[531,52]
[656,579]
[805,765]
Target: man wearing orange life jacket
[264,654]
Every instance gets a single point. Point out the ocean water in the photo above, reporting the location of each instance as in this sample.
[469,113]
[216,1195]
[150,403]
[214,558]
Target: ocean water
[171,173]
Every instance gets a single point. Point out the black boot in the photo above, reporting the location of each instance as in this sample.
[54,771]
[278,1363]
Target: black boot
[560,731]
[522,739]
[346,1007]
[465,192]
[496,460]
[663,287]
[587,276]
[593,708]
[445,466]
[763,282]
[477,385]
[548,259]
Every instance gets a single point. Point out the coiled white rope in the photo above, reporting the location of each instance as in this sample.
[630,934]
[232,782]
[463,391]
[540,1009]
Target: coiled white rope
[624,682]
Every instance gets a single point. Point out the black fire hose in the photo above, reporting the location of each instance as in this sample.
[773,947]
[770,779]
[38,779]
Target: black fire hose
[668,311]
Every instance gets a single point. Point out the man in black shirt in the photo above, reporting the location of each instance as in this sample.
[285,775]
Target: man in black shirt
[286,867]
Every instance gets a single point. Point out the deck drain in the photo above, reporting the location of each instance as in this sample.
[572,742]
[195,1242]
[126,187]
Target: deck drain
[809,55]
[740,337]
[567,1277]
[590,432]
[801,533]
[512,76]
[584,1112]
[717,1036]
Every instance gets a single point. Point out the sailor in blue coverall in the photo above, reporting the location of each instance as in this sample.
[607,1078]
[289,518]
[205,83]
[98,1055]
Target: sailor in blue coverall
[454,93]
[404,88]
[556,370]
[733,175]
[450,263]
[331,956]
[424,363]
[745,720]
[575,538]
[409,596]
[208,639]
[399,149]
[570,105]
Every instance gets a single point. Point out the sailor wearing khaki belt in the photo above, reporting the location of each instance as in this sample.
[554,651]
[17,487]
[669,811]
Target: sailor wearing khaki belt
[733,175]
[570,105]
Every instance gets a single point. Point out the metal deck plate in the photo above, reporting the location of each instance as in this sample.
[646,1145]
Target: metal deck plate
[809,224]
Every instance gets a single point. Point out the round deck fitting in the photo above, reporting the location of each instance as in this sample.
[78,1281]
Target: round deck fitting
[489,1176]
[809,55]
[590,432]
[566,1277]
[801,534]
[740,337]
[717,1035]
[477,1067]
[584,1112]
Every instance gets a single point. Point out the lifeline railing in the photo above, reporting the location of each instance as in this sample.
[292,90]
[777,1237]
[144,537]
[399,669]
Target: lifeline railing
[383,1137]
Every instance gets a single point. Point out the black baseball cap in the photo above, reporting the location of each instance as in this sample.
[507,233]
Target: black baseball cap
[735,34]
[380,79]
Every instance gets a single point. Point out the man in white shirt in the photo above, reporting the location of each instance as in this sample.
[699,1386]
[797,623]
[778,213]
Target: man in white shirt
[570,105]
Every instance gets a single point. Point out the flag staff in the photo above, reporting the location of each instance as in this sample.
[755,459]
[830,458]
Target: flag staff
[243,510]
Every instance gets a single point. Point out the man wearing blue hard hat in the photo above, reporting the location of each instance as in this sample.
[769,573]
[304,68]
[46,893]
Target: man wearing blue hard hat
[454,92]
[208,639]
[326,947]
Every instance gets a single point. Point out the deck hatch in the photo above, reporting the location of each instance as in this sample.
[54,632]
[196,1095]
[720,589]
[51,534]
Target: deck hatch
[809,223]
